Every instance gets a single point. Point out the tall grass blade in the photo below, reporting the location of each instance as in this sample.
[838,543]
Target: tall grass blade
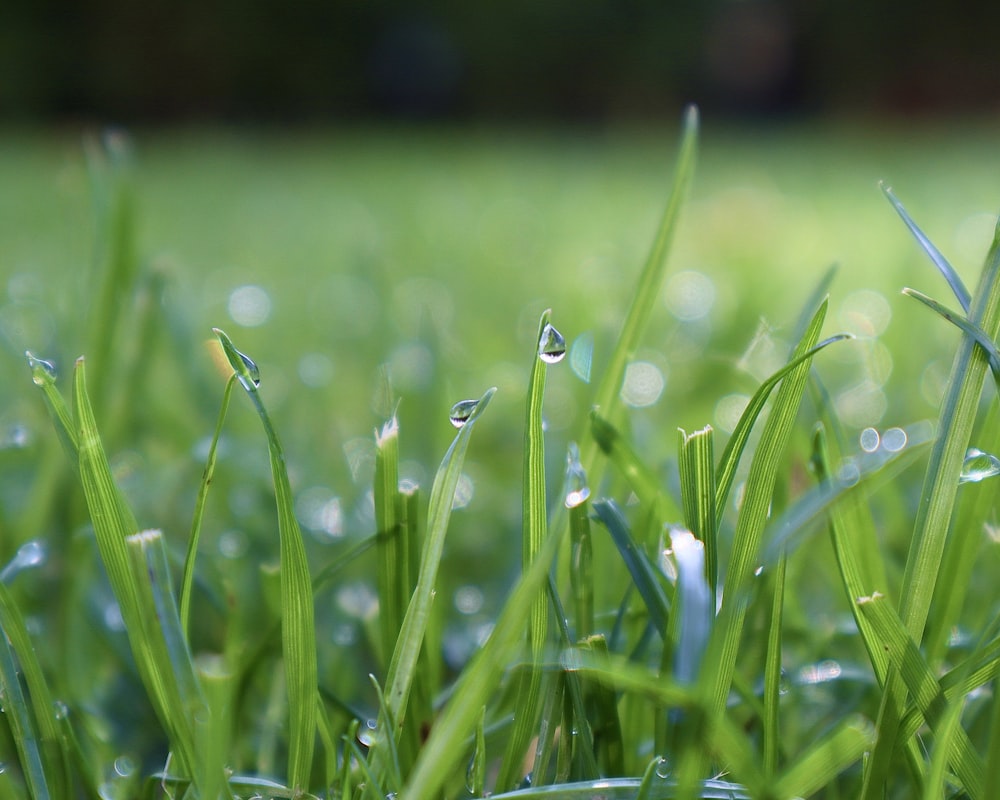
[772,672]
[391,578]
[826,759]
[696,461]
[405,657]
[534,527]
[298,630]
[957,416]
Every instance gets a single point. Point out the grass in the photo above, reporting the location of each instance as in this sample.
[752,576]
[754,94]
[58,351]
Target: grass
[340,605]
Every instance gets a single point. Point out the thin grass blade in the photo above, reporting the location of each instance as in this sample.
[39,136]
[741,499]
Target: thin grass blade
[392,601]
[772,672]
[827,758]
[695,462]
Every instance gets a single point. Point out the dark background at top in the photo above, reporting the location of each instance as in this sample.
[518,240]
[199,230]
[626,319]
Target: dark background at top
[323,60]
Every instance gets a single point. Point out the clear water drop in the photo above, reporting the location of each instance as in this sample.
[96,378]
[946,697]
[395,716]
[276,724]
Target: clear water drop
[366,733]
[978,466]
[551,345]
[662,768]
[577,489]
[894,440]
[869,440]
[461,411]
[253,372]
[60,710]
[124,766]
[43,373]
[30,554]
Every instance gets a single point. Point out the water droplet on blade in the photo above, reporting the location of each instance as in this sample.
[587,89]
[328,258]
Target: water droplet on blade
[461,411]
[577,489]
[253,372]
[551,345]
[43,372]
[978,466]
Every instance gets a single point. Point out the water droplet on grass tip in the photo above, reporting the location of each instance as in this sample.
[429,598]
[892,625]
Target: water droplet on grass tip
[978,466]
[366,733]
[42,372]
[253,372]
[461,411]
[551,345]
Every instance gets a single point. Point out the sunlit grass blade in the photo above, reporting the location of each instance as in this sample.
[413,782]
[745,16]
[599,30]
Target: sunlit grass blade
[942,264]
[187,580]
[298,630]
[643,574]
[441,755]
[405,657]
[914,671]
[534,527]
[934,514]
[696,463]
[730,459]
[754,511]
[827,758]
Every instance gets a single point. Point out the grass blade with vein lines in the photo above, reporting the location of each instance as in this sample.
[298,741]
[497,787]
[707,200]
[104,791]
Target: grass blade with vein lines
[957,416]
[405,657]
[392,601]
[909,663]
[298,632]
[534,528]
[696,464]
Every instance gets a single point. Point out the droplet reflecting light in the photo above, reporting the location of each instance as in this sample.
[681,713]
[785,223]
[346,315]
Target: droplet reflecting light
[551,345]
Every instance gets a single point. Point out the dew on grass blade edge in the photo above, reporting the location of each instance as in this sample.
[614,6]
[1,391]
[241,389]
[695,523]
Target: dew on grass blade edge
[461,411]
[577,489]
[551,344]
[978,466]
[42,372]
[245,368]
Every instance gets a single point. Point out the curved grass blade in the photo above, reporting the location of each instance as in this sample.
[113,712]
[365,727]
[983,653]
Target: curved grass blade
[946,269]
[726,471]
[298,631]
[405,657]
[187,580]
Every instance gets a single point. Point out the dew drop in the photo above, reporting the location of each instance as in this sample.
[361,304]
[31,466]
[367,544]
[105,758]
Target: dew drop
[551,345]
[978,466]
[253,372]
[461,411]
[366,733]
[30,554]
[894,440]
[124,766]
[43,373]
[577,489]
[60,710]
[869,440]
[662,768]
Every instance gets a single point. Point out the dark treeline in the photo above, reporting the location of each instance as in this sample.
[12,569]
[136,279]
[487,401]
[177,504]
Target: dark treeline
[327,59]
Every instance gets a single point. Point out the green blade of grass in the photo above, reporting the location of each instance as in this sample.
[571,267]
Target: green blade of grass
[772,674]
[628,789]
[914,671]
[187,580]
[298,630]
[957,416]
[826,759]
[404,663]
[534,527]
[44,376]
[696,465]
[392,602]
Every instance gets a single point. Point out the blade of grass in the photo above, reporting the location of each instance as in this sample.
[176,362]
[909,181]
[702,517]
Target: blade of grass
[187,580]
[534,528]
[957,416]
[627,789]
[298,631]
[826,759]
[772,675]
[392,601]
[695,462]
[405,661]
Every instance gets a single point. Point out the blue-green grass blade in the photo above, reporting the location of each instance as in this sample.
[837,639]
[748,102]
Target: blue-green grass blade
[440,756]
[934,514]
[298,630]
[823,761]
[627,789]
[53,748]
[187,580]
[730,459]
[649,586]
[764,468]
[534,527]
[963,324]
[581,571]
[477,767]
[405,657]
[695,463]
[21,721]
[914,671]
[942,264]
[772,673]
[392,602]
